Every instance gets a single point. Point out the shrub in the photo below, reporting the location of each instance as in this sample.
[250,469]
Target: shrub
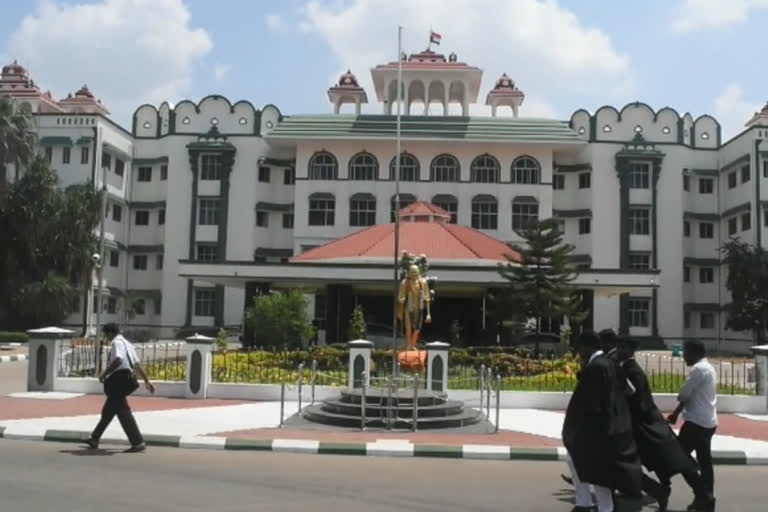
[280,319]
[221,340]
[357,328]
[13,337]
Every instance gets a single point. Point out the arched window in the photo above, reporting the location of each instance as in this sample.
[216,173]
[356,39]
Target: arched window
[405,200]
[362,210]
[525,170]
[323,166]
[485,169]
[525,211]
[444,168]
[448,203]
[322,209]
[485,212]
[409,167]
[363,167]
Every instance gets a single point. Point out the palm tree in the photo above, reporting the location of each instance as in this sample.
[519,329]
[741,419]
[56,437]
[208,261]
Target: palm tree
[17,139]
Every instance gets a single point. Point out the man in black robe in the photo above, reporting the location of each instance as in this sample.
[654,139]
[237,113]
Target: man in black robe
[658,446]
[597,431]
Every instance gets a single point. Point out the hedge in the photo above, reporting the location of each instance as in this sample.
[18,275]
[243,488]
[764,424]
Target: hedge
[13,337]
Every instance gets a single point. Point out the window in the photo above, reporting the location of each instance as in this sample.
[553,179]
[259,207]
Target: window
[639,176]
[686,182]
[323,166]
[485,212]
[158,303]
[161,217]
[210,167]
[111,305]
[732,182]
[585,226]
[142,218]
[288,221]
[409,168]
[524,214]
[159,262]
[363,167]
[362,210]
[706,230]
[585,180]
[207,252]
[205,302]
[765,168]
[746,221]
[289,177]
[639,311]
[640,261]
[65,154]
[525,170]
[84,153]
[485,169]
[686,319]
[765,217]
[448,203]
[321,210]
[686,228]
[49,154]
[706,275]
[686,274]
[262,219]
[639,221]
[733,226]
[745,174]
[706,186]
[558,181]
[264,174]
[445,168]
[209,211]
[706,320]
[145,174]
[114,258]
[117,213]
[120,167]
[405,200]
[139,262]
[106,160]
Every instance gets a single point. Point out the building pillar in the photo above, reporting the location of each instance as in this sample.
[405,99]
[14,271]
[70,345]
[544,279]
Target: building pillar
[199,361]
[44,355]
[357,107]
[446,99]
[493,109]
[359,363]
[437,366]
[339,306]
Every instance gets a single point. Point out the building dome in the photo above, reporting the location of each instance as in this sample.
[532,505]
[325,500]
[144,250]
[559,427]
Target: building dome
[348,79]
[15,69]
[84,92]
[504,82]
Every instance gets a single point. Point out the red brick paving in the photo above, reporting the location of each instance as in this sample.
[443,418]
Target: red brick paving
[736,426]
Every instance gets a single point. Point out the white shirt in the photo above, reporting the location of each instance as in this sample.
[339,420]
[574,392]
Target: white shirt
[123,349]
[699,395]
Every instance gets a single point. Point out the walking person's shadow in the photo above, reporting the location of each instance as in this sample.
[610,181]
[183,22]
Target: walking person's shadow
[88,452]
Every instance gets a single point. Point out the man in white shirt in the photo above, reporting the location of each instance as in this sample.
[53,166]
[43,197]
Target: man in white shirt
[698,403]
[119,382]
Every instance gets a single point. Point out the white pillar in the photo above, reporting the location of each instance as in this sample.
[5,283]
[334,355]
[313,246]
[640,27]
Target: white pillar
[514,110]
[44,353]
[359,362]
[357,106]
[406,99]
[445,98]
[493,109]
[199,361]
[761,371]
[437,367]
[336,106]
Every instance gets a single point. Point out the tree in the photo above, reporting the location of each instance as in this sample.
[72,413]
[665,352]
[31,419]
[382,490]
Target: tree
[357,327]
[17,139]
[539,284]
[280,319]
[748,284]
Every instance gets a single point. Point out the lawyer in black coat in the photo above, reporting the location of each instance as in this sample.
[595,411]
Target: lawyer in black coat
[597,431]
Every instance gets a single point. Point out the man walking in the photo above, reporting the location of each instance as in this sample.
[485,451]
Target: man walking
[119,382]
[698,403]
[597,432]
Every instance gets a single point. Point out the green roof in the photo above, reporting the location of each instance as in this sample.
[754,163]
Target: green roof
[484,129]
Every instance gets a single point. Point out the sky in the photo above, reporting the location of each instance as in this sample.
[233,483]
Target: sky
[697,56]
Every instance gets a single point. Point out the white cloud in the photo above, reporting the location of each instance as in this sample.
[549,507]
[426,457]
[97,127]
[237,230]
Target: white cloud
[732,110]
[696,15]
[274,21]
[544,47]
[128,51]
[220,71]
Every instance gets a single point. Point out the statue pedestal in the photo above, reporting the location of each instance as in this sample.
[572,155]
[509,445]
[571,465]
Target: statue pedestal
[412,360]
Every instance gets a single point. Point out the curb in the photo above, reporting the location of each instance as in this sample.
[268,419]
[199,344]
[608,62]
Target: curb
[11,359]
[371,449]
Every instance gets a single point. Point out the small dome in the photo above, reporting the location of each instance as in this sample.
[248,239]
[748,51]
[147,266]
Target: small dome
[15,69]
[84,92]
[348,79]
[504,83]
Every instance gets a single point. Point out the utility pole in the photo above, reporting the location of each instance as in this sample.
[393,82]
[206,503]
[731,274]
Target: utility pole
[397,202]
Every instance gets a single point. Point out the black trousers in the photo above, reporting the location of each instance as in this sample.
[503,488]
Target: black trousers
[694,437]
[117,405]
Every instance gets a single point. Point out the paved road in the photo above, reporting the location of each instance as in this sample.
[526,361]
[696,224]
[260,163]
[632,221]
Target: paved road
[13,377]
[51,476]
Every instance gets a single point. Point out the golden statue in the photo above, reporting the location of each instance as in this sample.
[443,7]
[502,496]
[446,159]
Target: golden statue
[413,298]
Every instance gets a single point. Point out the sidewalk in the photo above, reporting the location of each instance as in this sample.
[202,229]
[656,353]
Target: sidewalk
[227,424]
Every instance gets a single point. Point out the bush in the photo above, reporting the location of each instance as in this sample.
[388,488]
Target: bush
[13,337]
[280,319]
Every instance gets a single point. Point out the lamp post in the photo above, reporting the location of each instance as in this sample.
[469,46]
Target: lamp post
[97,259]
[397,200]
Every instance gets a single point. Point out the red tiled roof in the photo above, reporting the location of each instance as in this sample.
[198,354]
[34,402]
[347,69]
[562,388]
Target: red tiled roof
[423,208]
[438,241]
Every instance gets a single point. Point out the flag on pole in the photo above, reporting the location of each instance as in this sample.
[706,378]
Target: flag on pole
[434,37]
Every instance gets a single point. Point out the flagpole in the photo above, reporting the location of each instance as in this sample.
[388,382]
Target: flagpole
[397,200]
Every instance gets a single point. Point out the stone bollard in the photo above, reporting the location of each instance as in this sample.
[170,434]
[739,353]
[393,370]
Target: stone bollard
[761,370]
[437,366]
[199,362]
[44,353]
[359,363]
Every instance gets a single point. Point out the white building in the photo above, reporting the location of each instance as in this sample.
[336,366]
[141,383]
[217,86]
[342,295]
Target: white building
[208,201]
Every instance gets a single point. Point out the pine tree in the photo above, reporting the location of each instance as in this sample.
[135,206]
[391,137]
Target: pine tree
[357,327]
[539,284]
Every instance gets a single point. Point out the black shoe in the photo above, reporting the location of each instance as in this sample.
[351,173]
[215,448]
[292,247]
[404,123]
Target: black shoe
[93,444]
[137,448]
[566,479]
[663,498]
